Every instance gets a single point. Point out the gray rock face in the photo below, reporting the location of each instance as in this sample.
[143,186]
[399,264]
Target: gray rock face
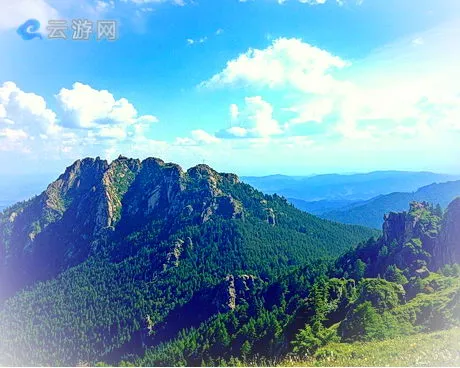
[394,227]
[271,217]
[447,249]
[233,290]
[440,238]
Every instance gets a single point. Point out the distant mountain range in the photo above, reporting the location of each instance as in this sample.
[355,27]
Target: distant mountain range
[353,187]
[370,213]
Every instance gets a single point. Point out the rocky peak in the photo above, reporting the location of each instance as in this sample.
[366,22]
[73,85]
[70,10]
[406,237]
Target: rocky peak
[201,171]
[419,222]
[94,199]
[447,249]
[394,227]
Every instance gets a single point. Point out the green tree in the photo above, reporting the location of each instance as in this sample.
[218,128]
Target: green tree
[394,274]
[359,269]
[305,342]
[382,294]
[363,323]
[245,349]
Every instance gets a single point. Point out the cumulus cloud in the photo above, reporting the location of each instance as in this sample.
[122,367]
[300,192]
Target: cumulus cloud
[86,107]
[91,122]
[254,120]
[398,90]
[23,116]
[287,63]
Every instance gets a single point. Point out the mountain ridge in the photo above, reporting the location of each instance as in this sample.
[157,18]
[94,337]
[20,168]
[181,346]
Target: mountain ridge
[356,187]
[370,213]
[95,204]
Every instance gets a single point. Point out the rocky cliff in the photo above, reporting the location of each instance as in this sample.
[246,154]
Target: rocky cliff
[438,234]
[447,249]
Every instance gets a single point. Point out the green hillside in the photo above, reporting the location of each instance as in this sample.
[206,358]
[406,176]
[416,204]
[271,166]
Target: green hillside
[142,263]
[420,350]
[115,244]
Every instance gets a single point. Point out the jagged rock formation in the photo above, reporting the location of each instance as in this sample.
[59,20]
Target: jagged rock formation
[271,217]
[233,290]
[111,211]
[401,227]
[413,244]
[447,249]
[437,234]
[93,198]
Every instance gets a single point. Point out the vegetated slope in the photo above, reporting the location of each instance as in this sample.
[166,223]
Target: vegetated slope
[353,187]
[384,289]
[371,212]
[121,247]
[437,349]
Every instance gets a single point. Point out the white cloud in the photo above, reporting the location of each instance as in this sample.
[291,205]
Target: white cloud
[313,110]
[398,90]
[93,122]
[316,2]
[201,40]
[288,63]
[15,12]
[204,137]
[418,41]
[25,112]
[86,107]
[13,135]
[141,2]
[254,120]
[199,138]
[234,111]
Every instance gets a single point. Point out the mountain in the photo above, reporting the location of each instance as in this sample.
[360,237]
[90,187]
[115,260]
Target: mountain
[384,289]
[109,246]
[370,213]
[141,262]
[353,187]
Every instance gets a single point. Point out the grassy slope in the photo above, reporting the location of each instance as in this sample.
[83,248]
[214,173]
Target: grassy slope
[434,349]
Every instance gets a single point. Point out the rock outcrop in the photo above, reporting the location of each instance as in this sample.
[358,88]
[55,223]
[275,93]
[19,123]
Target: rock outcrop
[233,290]
[447,248]
[439,236]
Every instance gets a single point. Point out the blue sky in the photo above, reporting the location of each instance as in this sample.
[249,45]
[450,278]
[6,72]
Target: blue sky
[253,87]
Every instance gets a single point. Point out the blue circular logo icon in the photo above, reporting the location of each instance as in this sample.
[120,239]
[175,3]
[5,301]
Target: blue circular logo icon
[29,30]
